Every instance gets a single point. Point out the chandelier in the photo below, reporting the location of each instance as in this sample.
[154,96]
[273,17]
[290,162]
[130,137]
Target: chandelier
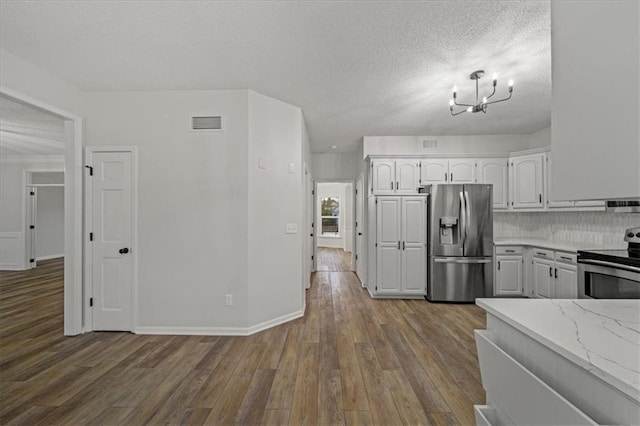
[480,105]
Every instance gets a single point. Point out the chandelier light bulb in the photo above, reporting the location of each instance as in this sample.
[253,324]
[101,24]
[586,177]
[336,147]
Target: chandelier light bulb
[484,100]
[510,86]
[495,79]
[469,109]
[451,102]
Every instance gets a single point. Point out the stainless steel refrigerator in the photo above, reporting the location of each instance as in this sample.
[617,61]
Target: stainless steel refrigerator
[460,242]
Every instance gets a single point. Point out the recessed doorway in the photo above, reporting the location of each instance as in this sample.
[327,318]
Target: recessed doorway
[335,219]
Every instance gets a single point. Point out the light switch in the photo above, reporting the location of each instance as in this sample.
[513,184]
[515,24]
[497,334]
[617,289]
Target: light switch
[291,228]
[292,167]
[261,163]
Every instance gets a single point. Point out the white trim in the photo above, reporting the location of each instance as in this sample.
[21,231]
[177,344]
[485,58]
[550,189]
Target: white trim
[88,255]
[220,331]
[15,246]
[73,285]
[50,256]
[49,159]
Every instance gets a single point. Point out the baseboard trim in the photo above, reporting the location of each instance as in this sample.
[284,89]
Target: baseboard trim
[51,256]
[220,331]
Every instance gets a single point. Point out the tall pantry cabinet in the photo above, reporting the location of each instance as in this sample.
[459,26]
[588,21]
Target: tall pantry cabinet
[398,237]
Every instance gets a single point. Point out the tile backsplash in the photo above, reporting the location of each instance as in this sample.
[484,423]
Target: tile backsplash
[594,229]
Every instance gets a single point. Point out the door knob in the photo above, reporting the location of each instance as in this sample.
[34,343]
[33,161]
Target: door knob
[359,233]
[124,250]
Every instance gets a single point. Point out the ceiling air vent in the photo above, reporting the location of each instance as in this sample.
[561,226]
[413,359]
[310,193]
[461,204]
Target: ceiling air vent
[211,122]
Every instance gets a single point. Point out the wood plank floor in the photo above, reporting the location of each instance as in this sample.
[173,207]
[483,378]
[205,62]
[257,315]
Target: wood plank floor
[333,260]
[349,360]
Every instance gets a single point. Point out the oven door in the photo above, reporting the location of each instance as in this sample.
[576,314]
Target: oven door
[598,279]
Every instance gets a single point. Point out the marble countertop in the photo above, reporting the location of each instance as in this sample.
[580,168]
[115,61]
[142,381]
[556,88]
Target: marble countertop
[542,243]
[601,336]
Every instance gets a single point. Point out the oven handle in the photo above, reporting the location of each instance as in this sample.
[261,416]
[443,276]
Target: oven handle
[610,264]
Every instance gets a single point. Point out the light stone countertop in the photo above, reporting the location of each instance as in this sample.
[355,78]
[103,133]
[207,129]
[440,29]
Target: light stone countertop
[601,336]
[542,243]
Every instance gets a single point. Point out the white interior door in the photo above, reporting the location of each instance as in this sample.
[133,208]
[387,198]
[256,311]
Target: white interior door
[359,249]
[112,252]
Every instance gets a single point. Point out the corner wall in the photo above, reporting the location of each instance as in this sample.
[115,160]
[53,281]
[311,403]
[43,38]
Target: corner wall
[275,199]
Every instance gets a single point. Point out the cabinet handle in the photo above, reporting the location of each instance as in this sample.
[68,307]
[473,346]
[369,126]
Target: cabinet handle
[556,274]
[391,185]
[403,245]
[551,272]
[445,176]
[539,253]
[510,251]
[451,180]
[396,185]
[398,245]
[540,197]
[565,258]
[498,265]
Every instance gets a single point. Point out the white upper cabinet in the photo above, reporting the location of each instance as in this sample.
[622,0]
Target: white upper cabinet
[407,176]
[553,204]
[383,177]
[595,131]
[434,171]
[495,172]
[462,170]
[391,177]
[527,181]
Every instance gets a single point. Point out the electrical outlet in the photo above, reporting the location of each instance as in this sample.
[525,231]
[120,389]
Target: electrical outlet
[228,299]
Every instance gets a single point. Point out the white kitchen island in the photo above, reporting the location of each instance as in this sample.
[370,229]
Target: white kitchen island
[560,361]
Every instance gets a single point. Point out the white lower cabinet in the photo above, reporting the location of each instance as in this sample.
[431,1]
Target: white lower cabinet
[400,246]
[555,274]
[508,271]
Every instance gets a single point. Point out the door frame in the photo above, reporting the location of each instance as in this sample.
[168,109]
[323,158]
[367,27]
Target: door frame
[353,216]
[26,183]
[73,309]
[358,208]
[88,227]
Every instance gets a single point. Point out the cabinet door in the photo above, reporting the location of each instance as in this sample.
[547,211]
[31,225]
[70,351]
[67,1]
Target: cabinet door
[494,171]
[553,204]
[462,171]
[383,177]
[543,278]
[527,181]
[566,281]
[407,176]
[414,253]
[388,250]
[508,276]
[434,171]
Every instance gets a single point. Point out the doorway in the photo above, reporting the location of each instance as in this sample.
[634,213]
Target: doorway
[44,207]
[20,113]
[335,230]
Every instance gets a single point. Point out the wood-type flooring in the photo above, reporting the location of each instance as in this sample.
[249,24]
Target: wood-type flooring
[333,260]
[350,360]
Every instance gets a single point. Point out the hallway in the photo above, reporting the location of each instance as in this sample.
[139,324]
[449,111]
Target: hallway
[333,260]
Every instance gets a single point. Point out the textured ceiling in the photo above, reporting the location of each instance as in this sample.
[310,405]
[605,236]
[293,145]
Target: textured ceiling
[356,68]
[25,130]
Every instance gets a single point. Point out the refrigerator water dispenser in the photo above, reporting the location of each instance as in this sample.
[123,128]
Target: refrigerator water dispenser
[448,230]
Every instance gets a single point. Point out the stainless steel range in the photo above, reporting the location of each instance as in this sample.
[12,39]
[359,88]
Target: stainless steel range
[611,274]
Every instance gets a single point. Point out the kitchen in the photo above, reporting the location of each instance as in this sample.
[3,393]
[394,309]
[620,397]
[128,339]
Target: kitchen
[602,136]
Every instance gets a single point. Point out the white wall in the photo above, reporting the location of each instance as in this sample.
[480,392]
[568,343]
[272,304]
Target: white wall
[540,139]
[333,190]
[275,198]
[595,114]
[192,201]
[335,166]
[399,145]
[50,222]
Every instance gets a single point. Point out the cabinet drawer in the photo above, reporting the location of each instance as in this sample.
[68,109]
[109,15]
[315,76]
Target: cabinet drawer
[508,249]
[520,394]
[543,253]
[566,257]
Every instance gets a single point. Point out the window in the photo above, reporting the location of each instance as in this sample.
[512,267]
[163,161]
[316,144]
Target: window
[330,214]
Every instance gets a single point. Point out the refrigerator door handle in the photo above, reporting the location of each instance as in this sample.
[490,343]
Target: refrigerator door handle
[461,260]
[463,217]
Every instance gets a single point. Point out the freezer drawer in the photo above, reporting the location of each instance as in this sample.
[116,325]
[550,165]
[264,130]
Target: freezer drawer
[459,279]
